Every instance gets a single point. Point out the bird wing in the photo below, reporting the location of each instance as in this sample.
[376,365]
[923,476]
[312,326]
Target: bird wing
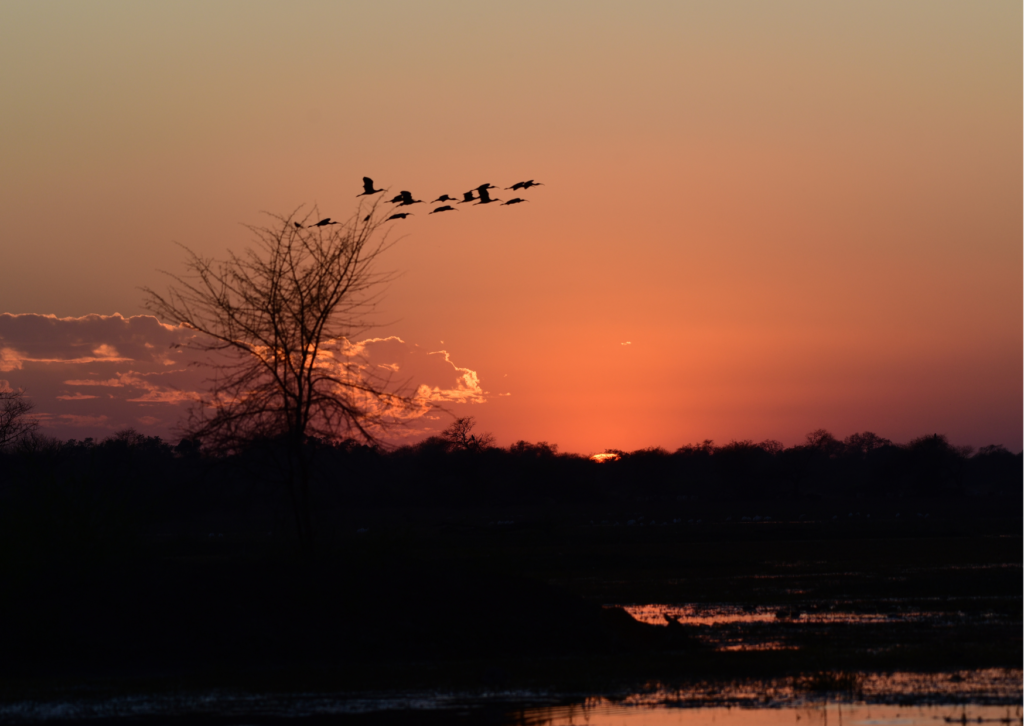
[484,196]
[368,185]
[406,197]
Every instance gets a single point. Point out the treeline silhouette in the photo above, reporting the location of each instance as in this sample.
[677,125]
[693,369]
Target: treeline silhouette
[130,478]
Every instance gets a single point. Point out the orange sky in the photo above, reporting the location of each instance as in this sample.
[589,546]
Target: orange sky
[800,215]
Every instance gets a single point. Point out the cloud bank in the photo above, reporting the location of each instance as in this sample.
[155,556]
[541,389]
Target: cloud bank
[93,375]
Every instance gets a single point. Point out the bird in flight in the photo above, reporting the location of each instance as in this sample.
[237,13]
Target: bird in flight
[445,208]
[485,198]
[485,187]
[400,215]
[368,187]
[407,199]
[525,185]
[517,200]
[468,197]
[297,225]
[323,222]
[443,198]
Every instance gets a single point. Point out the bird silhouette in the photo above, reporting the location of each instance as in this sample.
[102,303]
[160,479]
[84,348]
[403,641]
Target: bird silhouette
[485,198]
[396,199]
[367,217]
[297,225]
[531,183]
[368,187]
[485,187]
[517,200]
[407,200]
[468,197]
[445,208]
[443,198]
[517,186]
[323,222]
[400,215]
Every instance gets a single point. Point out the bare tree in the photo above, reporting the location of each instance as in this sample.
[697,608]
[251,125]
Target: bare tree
[459,436]
[15,423]
[280,317]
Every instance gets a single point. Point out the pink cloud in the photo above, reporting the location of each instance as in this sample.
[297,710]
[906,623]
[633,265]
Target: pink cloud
[109,372]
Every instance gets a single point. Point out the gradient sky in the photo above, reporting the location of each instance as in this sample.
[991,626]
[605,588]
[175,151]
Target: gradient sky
[799,215]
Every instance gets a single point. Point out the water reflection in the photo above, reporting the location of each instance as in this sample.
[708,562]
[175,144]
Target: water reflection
[821,714]
[730,627]
[905,699]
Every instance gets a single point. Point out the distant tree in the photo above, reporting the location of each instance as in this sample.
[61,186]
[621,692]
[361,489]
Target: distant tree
[994,468]
[741,466]
[824,442]
[705,448]
[15,422]
[271,313]
[460,437]
[864,443]
[937,463]
[540,450]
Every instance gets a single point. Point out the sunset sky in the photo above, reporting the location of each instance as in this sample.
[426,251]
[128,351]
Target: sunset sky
[758,219]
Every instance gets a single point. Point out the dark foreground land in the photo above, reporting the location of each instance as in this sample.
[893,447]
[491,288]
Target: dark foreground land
[433,600]
[130,568]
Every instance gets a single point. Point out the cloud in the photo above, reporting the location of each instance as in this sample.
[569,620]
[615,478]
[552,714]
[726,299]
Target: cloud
[110,372]
[466,389]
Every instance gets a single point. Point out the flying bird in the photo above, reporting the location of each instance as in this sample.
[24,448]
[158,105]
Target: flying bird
[485,198]
[468,197]
[323,222]
[443,198]
[517,200]
[396,199]
[485,187]
[400,215]
[445,208]
[407,200]
[297,225]
[525,185]
[368,187]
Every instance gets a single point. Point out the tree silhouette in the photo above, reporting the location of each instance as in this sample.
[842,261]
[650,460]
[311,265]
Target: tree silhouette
[459,436]
[14,421]
[280,317]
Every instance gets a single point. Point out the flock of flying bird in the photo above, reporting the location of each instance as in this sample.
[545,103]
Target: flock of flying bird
[404,199]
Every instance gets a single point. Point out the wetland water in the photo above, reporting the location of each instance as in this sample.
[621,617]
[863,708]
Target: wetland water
[991,696]
[875,622]
[515,709]
[810,714]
